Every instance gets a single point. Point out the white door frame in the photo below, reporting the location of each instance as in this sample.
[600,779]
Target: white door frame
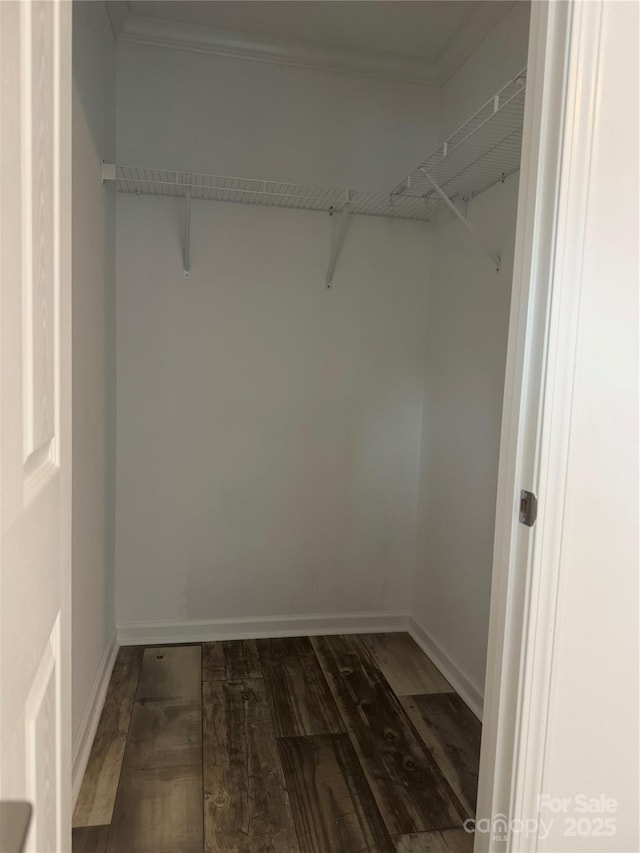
[564,55]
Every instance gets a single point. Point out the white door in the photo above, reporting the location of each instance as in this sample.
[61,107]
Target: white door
[35,422]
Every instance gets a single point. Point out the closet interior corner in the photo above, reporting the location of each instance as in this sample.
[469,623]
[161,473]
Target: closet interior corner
[293,246]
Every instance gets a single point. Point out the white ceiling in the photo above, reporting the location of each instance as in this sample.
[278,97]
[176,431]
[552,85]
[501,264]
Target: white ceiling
[420,29]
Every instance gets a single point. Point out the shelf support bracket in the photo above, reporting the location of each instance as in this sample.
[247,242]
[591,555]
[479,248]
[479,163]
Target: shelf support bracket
[187,233]
[107,172]
[338,234]
[495,258]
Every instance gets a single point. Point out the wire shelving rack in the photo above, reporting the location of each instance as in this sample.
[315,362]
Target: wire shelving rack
[482,152]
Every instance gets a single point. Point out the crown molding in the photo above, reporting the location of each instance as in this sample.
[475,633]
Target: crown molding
[236,45]
[483,19]
[118,11]
[232,44]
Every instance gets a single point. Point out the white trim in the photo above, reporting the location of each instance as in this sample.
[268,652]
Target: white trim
[142,633]
[470,693]
[231,44]
[564,56]
[159,32]
[118,12]
[522,399]
[528,330]
[89,725]
[552,452]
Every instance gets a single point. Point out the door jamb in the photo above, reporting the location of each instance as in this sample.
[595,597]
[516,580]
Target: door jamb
[564,55]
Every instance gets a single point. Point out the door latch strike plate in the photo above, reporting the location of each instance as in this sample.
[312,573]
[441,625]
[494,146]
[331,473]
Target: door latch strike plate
[528,508]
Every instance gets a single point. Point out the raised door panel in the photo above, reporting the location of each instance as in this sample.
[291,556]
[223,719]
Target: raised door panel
[39,222]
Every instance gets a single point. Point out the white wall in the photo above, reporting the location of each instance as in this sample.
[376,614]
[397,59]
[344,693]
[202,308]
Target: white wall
[499,57]
[197,112]
[466,338]
[93,350]
[268,428]
[592,738]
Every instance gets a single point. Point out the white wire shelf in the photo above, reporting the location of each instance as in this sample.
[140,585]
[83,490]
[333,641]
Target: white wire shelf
[136,179]
[482,152]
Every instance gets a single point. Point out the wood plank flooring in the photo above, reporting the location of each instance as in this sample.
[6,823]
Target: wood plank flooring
[333,805]
[448,841]
[94,806]
[452,734]
[410,788]
[90,839]
[158,806]
[246,804]
[407,669]
[339,744]
[298,693]
[231,661]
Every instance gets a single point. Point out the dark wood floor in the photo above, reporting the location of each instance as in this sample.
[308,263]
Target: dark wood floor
[338,744]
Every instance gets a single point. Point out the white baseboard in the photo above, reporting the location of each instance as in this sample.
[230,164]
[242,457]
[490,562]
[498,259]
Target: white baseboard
[87,731]
[461,683]
[142,633]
